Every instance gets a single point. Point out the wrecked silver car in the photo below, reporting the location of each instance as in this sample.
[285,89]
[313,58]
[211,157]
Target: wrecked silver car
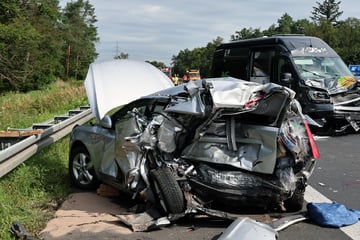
[205,144]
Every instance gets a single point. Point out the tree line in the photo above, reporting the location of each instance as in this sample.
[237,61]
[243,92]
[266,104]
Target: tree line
[342,36]
[41,42]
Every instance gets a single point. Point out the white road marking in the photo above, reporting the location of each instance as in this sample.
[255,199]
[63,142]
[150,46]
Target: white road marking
[311,195]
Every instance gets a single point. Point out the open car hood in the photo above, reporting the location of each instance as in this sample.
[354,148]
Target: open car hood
[114,83]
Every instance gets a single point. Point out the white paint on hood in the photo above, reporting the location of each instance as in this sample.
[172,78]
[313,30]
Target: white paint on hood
[114,83]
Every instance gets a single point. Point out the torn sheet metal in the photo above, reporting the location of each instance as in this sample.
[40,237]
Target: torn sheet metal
[145,221]
[245,228]
[227,93]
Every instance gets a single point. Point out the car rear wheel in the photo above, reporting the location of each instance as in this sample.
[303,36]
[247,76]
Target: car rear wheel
[81,169]
[167,191]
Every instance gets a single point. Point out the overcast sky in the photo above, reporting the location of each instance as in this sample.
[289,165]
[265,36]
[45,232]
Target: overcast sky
[157,30]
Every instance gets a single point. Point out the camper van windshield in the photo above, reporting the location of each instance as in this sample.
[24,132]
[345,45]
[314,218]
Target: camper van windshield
[323,72]
[321,67]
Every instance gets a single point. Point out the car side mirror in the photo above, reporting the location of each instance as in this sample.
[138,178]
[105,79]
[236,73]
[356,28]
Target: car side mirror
[106,122]
[286,78]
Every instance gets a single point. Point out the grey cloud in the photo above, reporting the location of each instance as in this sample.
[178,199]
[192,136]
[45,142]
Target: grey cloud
[157,30]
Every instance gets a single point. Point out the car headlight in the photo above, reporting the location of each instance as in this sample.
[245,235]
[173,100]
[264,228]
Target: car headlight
[319,96]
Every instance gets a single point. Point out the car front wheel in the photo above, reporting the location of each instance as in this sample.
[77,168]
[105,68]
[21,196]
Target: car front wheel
[167,191]
[81,169]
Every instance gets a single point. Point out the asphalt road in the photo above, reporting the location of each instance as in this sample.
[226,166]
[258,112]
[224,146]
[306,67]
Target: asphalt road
[336,178]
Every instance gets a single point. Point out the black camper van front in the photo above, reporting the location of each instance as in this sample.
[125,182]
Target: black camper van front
[325,87]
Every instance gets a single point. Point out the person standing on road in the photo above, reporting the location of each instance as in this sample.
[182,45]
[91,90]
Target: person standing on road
[176,79]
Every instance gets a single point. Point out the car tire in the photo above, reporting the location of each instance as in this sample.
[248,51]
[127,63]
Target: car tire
[295,202]
[167,191]
[81,169]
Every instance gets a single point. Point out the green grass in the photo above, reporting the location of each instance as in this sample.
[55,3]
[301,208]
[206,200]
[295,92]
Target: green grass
[19,110]
[31,192]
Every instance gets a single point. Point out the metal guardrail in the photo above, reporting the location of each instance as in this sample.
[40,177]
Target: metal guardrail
[16,151]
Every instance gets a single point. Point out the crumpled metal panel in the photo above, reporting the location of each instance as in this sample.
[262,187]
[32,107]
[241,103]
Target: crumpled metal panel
[347,102]
[166,134]
[336,85]
[127,150]
[256,152]
[227,93]
[192,105]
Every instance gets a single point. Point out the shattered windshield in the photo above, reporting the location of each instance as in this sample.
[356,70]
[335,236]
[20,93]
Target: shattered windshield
[324,72]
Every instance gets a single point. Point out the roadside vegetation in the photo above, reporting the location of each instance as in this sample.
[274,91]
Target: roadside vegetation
[31,192]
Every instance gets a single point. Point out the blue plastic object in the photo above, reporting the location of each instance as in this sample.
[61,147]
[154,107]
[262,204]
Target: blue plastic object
[332,214]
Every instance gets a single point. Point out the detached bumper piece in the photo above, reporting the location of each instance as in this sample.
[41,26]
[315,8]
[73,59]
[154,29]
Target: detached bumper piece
[248,229]
[145,221]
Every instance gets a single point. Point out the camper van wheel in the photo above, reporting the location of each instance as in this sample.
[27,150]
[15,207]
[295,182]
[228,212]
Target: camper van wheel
[167,191]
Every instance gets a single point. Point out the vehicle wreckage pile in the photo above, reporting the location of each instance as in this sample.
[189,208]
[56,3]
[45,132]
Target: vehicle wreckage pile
[228,142]
[201,146]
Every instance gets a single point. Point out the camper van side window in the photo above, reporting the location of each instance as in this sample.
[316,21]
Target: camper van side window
[262,63]
[236,63]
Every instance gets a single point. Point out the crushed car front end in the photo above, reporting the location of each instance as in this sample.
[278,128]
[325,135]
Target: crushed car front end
[237,143]
[205,144]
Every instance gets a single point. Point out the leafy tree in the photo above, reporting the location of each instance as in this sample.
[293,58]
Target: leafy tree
[349,40]
[325,17]
[326,31]
[285,24]
[18,42]
[28,44]
[38,42]
[198,58]
[301,26]
[246,34]
[328,10]
[157,64]
[9,9]
[44,15]
[80,37]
